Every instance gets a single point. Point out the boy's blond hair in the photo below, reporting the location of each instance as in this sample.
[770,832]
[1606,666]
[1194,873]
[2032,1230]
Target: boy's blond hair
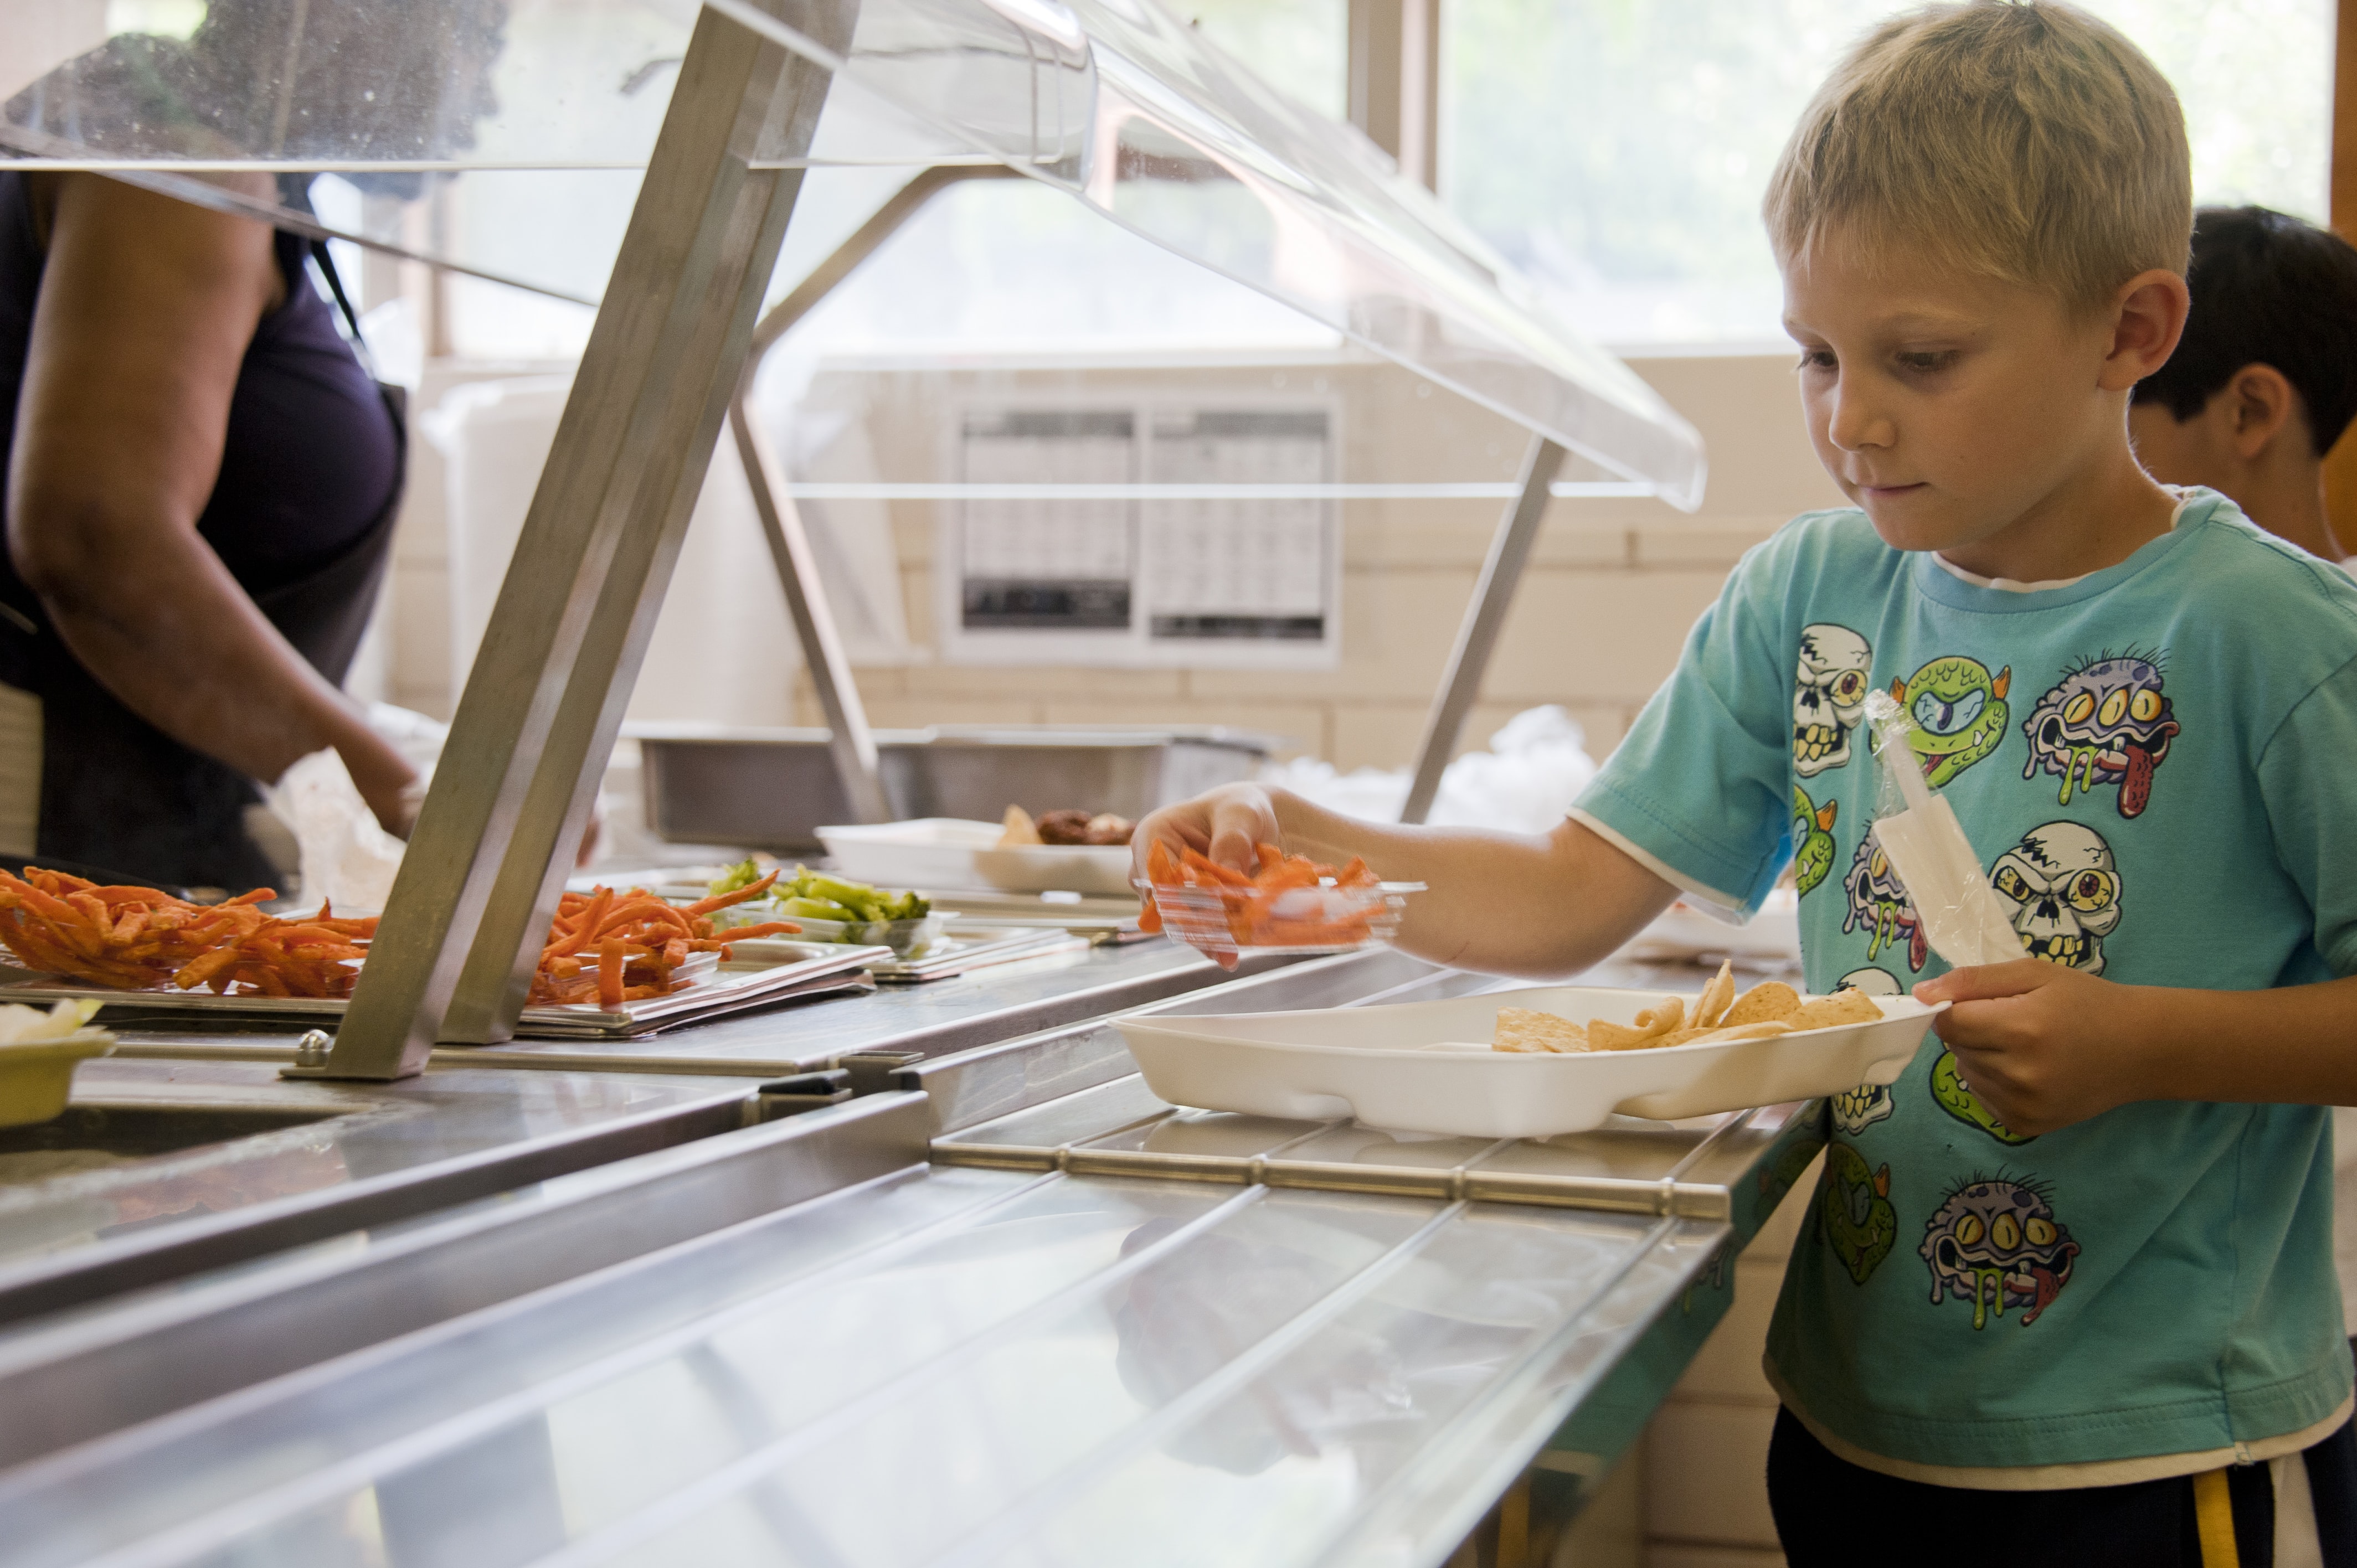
[2017,139]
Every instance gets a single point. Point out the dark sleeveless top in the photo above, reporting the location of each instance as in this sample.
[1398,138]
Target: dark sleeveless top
[301,515]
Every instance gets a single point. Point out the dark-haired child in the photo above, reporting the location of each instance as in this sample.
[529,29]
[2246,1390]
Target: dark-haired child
[2265,379]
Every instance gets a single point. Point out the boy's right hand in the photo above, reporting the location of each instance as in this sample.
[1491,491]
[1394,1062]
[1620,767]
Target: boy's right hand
[1224,823]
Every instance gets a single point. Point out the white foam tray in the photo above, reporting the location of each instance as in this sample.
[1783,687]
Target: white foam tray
[1426,1066]
[936,852]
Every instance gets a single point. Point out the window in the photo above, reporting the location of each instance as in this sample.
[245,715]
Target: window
[1616,149]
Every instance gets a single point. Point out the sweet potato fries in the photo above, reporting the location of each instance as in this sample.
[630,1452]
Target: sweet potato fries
[603,947]
[610,949]
[140,939]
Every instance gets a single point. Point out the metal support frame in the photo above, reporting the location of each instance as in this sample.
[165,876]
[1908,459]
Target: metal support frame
[1393,88]
[460,938]
[1477,638]
[849,739]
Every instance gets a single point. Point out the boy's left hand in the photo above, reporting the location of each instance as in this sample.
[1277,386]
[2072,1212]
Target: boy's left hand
[2041,1045]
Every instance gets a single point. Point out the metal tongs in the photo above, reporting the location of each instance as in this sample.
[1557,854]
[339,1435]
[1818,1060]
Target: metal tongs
[1960,913]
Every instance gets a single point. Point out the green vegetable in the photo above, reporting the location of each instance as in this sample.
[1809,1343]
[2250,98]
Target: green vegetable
[740,875]
[814,895]
[818,910]
[850,894]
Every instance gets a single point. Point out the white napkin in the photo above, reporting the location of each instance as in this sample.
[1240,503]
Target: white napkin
[1961,917]
[347,859]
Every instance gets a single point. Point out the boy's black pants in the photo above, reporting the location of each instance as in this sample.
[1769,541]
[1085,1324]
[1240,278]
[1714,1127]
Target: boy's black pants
[1831,1512]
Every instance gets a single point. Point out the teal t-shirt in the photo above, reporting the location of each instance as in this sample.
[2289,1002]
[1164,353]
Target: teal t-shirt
[2155,764]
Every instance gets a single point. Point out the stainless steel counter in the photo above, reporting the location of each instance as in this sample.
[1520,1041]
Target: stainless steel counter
[1027,1314]
[944,1366]
[187,1151]
[333,1158]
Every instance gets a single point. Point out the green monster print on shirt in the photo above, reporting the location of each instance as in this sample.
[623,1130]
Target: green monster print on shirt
[1951,1094]
[1854,1206]
[1959,711]
[1812,840]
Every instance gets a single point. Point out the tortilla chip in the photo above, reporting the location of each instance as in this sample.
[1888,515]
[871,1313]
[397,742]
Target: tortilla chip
[1522,1029]
[1716,997]
[1767,1029]
[1603,1034]
[1764,1002]
[1847,1005]
[1663,1017]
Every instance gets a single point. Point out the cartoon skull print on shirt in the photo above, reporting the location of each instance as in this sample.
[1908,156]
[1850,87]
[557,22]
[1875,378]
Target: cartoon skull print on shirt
[2065,887]
[1828,696]
[1856,1110]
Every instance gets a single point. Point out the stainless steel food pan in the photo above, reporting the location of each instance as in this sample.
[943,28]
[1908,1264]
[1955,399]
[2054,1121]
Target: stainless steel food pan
[771,789]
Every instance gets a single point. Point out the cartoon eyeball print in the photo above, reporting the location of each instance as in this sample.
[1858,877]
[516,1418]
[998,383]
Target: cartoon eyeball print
[1960,713]
[2065,887]
[2107,724]
[1998,1245]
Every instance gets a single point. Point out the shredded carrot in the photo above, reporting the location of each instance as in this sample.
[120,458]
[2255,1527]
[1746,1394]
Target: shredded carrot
[1225,909]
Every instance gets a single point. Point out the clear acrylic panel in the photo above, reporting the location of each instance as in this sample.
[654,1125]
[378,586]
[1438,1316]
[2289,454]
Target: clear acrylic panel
[1115,102]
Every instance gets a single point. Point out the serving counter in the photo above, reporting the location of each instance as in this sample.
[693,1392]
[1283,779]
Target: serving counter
[1005,1307]
[915,1276]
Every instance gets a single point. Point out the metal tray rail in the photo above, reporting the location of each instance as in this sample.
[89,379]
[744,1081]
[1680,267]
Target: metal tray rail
[1072,1100]
[1120,1129]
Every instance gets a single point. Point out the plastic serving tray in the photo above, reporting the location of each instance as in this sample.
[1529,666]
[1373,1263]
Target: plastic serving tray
[1426,1066]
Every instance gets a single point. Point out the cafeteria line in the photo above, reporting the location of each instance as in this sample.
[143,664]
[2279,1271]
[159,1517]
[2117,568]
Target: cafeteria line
[581,987]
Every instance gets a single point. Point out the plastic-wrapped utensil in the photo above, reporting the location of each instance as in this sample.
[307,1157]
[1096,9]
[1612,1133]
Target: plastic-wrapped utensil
[1960,915]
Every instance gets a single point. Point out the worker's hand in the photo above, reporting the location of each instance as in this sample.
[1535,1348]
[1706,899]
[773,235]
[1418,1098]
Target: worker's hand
[383,777]
[1224,823]
[2041,1046]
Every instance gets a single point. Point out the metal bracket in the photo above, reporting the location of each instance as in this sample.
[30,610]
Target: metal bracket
[460,939]
[1477,638]
[850,740]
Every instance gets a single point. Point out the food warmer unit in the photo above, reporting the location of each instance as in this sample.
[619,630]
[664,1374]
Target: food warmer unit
[907,1276]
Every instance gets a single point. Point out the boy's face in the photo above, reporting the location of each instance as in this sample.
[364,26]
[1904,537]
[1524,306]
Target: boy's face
[1955,410]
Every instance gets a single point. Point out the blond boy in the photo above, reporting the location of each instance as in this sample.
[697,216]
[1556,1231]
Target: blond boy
[2091,1269]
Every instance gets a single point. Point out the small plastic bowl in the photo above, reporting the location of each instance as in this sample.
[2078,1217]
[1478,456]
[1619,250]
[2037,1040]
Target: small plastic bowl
[36,1076]
[1300,919]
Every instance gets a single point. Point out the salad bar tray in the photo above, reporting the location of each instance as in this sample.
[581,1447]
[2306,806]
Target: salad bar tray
[817,970]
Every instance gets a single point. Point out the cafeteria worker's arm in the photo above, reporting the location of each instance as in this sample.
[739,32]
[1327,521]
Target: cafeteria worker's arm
[1537,905]
[145,310]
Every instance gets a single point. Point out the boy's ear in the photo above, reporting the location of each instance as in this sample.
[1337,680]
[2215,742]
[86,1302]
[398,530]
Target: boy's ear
[2261,405]
[2147,318]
